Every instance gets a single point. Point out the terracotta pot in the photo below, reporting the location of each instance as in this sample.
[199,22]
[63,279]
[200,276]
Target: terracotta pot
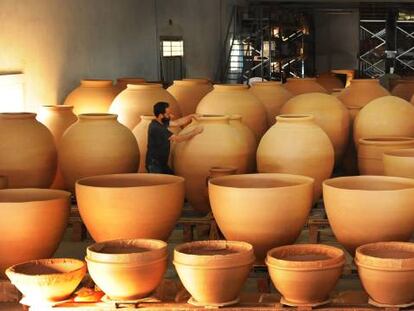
[399,162]
[3,182]
[189,92]
[282,204]
[213,272]
[228,99]
[27,151]
[350,73]
[121,83]
[273,96]
[386,270]
[92,96]
[96,145]
[138,100]
[127,269]
[336,92]
[367,209]
[396,118]
[305,273]
[404,89]
[218,145]
[218,171]
[304,85]
[371,151]
[43,213]
[329,81]
[296,145]
[47,280]
[330,114]
[108,205]
[57,118]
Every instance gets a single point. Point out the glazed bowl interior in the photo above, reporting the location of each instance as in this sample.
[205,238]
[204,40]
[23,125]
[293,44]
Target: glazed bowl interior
[48,267]
[392,250]
[31,195]
[403,153]
[258,181]
[370,183]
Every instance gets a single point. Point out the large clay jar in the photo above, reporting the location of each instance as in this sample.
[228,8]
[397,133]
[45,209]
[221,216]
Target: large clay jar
[367,209]
[305,274]
[32,222]
[92,96]
[228,99]
[213,272]
[127,269]
[96,145]
[273,96]
[371,151]
[265,210]
[404,89]
[109,205]
[399,162]
[386,270]
[329,81]
[297,145]
[299,86]
[138,100]
[27,151]
[121,83]
[189,92]
[330,114]
[57,118]
[219,144]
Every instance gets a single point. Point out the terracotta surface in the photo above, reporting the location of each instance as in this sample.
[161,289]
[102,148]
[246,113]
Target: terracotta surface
[47,279]
[265,210]
[92,96]
[296,145]
[371,151]
[213,271]
[299,86]
[305,273]
[27,151]
[127,269]
[96,145]
[57,118]
[273,96]
[218,171]
[399,162]
[404,89]
[138,100]
[228,99]
[396,118]
[189,92]
[3,182]
[121,83]
[329,81]
[109,205]
[219,144]
[367,209]
[32,222]
[330,114]
[386,270]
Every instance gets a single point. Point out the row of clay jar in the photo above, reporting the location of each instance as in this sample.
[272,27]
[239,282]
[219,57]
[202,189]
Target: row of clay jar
[213,272]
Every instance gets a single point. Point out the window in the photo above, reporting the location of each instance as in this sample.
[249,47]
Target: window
[172,48]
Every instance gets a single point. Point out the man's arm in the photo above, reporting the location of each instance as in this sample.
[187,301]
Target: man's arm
[183,121]
[186,136]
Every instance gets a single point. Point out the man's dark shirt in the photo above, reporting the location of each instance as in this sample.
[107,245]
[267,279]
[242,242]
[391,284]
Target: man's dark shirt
[158,147]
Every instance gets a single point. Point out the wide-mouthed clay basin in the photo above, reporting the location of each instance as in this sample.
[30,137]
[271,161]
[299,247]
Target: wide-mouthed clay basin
[386,270]
[213,272]
[305,273]
[399,162]
[265,210]
[368,209]
[127,269]
[130,206]
[47,280]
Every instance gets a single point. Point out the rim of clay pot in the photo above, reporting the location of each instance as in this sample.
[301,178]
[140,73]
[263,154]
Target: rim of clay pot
[96,83]
[370,183]
[144,86]
[46,268]
[230,87]
[17,115]
[300,79]
[235,117]
[186,82]
[28,195]
[127,251]
[147,117]
[97,116]
[212,117]
[266,83]
[223,169]
[297,257]
[58,107]
[364,81]
[389,256]
[261,181]
[130,80]
[400,153]
[214,254]
[294,117]
[383,140]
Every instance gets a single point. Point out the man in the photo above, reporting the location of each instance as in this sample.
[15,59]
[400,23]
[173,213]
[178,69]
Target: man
[159,138]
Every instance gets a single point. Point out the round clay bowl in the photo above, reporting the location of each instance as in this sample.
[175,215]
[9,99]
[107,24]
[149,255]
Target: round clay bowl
[130,206]
[386,270]
[305,273]
[368,209]
[127,269]
[213,272]
[399,162]
[32,223]
[265,210]
[47,279]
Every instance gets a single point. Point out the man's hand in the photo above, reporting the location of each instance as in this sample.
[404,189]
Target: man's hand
[198,130]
